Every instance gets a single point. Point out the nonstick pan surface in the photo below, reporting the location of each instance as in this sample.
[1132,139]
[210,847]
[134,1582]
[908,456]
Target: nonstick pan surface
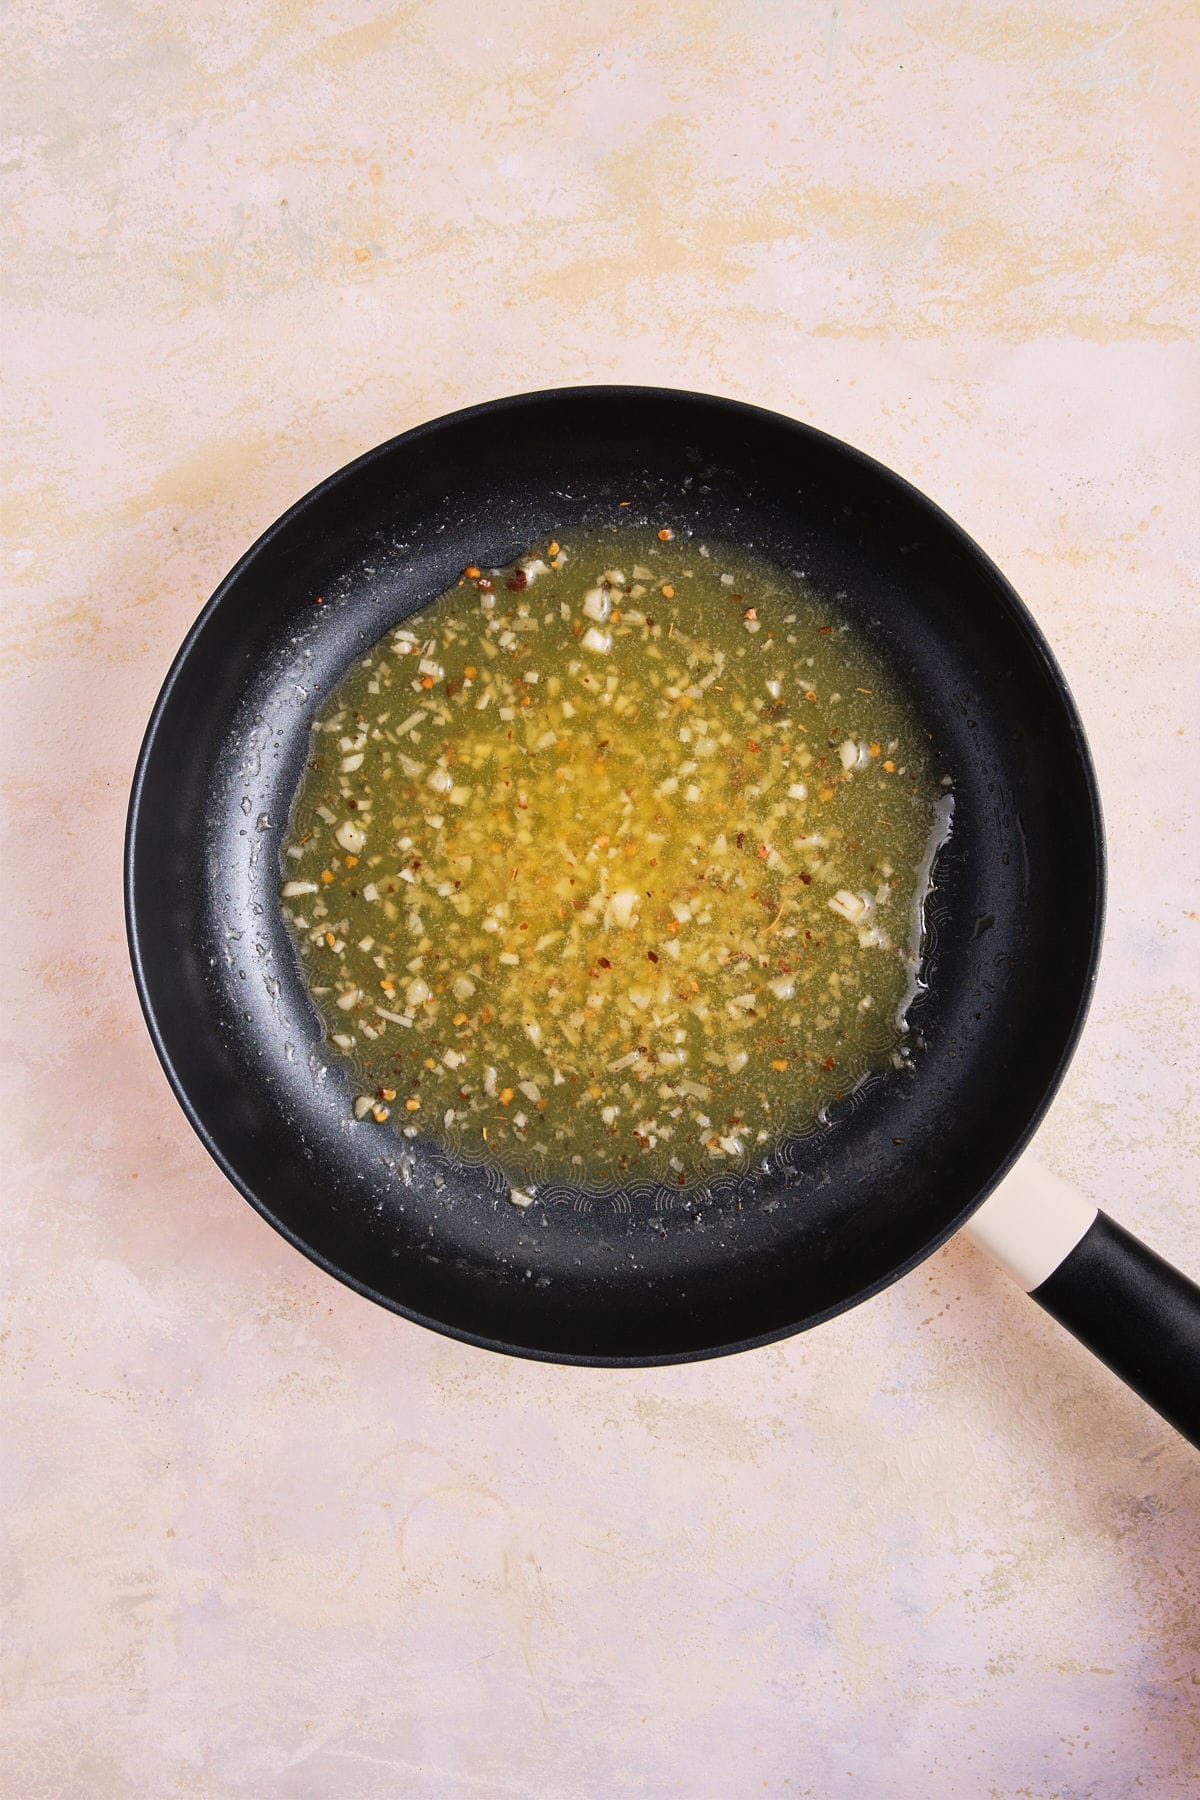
[639,1274]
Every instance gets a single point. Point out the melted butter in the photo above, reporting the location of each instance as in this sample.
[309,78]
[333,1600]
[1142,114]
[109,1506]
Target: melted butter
[611,863]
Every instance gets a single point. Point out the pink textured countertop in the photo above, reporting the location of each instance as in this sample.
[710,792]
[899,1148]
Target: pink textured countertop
[262,1539]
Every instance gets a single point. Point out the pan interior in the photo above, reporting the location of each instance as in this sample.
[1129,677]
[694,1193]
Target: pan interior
[640,1272]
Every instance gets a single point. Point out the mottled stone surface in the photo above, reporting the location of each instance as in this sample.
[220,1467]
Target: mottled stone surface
[262,1539]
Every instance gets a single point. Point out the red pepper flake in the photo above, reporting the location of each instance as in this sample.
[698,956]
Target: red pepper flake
[604,962]
[651,954]
[828,1063]
[318,599]
[484,584]
[805,877]
[516,581]
[824,630]
[753,744]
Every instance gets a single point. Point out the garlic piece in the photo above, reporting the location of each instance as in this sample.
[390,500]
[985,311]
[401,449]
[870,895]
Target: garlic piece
[851,907]
[621,910]
[351,837]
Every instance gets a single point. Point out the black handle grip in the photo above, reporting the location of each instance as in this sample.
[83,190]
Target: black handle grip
[1138,1314]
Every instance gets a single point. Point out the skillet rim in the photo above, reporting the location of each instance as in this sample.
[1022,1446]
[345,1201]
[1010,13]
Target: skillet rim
[940,520]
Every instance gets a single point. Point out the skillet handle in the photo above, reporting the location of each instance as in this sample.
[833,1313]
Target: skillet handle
[1137,1313]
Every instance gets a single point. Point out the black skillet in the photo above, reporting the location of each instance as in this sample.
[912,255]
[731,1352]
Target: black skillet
[638,1274]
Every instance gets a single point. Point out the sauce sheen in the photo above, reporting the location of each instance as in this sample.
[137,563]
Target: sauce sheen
[610,863]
